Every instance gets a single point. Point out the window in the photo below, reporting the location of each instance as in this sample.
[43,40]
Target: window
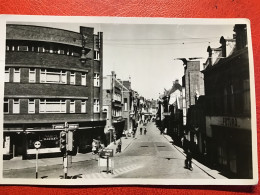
[72,106]
[32,75]
[31,106]
[16,106]
[61,52]
[96,80]
[83,79]
[96,55]
[7,48]
[6,106]
[72,78]
[53,76]
[22,48]
[52,106]
[83,106]
[125,104]
[17,75]
[7,74]
[41,49]
[96,105]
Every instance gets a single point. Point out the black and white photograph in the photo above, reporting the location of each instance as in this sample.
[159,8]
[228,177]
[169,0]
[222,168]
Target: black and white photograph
[102,100]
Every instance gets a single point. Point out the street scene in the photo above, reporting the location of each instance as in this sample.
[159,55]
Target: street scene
[147,101]
[146,156]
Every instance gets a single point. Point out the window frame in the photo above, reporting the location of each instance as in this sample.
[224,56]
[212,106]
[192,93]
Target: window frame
[83,103]
[31,72]
[73,74]
[96,80]
[96,106]
[16,104]
[8,103]
[29,103]
[60,73]
[17,74]
[7,70]
[44,102]
[84,78]
[72,105]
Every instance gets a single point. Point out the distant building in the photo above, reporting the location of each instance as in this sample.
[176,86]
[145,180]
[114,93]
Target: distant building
[52,76]
[113,105]
[228,113]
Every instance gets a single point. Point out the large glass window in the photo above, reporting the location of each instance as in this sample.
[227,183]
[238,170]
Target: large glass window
[32,75]
[16,106]
[53,76]
[83,79]
[52,106]
[31,106]
[7,74]
[83,106]
[6,106]
[96,80]
[96,105]
[72,106]
[17,75]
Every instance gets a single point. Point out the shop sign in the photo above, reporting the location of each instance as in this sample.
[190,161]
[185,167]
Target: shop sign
[230,122]
[106,153]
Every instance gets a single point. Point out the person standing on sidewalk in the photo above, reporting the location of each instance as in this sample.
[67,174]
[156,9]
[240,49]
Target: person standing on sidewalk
[119,146]
[141,127]
[145,130]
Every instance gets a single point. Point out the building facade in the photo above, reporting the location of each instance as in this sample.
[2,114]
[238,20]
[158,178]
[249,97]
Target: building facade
[52,76]
[228,113]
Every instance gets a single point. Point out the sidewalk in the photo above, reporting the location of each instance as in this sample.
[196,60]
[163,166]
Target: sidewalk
[211,172]
[23,164]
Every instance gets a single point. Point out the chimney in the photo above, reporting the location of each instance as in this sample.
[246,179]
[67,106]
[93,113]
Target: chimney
[209,50]
[223,43]
[241,36]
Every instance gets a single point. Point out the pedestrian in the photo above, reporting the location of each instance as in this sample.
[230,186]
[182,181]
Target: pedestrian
[119,146]
[145,130]
[188,160]
[141,130]
[94,149]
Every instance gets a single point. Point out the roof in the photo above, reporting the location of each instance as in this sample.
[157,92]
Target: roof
[223,61]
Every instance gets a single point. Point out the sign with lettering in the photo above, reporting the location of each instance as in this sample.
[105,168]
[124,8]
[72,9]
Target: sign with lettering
[230,122]
[107,153]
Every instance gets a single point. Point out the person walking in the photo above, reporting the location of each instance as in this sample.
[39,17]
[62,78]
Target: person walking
[145,130]
[188,160]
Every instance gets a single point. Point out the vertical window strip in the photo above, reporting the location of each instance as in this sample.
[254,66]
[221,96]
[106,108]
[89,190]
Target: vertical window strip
[32,75]
[17,75]
[83,79]
[83,106]
[96,80]
[96,105]
[6,106]
[7,74]
[72,78]
[16,106]
[31,106]
[72,106]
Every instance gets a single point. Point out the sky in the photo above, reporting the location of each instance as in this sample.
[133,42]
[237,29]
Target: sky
[146,52]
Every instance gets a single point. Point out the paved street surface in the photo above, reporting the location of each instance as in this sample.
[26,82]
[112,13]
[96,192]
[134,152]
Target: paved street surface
[146,156]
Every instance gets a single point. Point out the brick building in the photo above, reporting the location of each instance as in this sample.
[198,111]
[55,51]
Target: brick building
[228,113]
[52,76]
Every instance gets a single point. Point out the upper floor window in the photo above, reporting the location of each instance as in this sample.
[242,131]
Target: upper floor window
[32,75]
[53,76]
[72,106]
[6,106]
[7,48]
[7,74]
[52,106]
[16,106]
[96,55]
[72,78]
[83,79]
[96,105]
[31,106]
[17,75]
[41,49]
[83,106]
[96,80]
[22,48]
[125,104]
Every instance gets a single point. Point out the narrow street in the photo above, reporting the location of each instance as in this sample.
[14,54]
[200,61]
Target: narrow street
[147,156]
